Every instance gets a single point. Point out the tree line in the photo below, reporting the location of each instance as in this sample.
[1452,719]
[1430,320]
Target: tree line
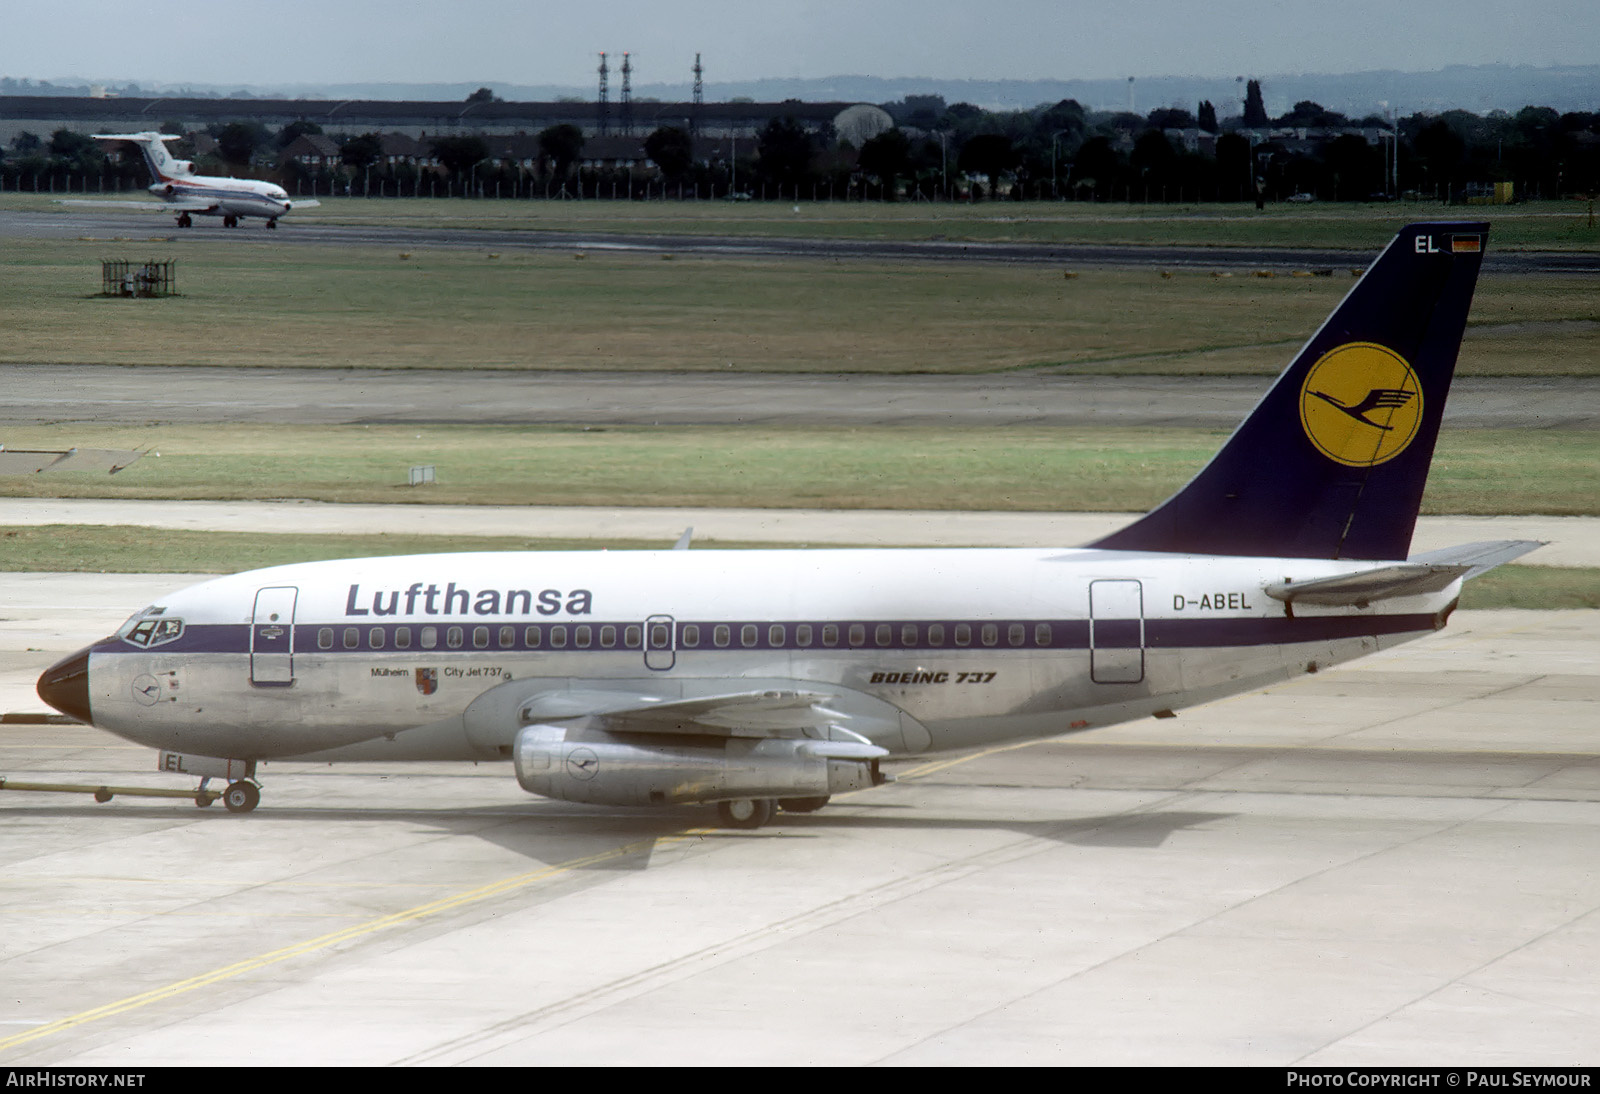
[934,151]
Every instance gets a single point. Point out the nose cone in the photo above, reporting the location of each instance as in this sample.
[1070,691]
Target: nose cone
[65,686]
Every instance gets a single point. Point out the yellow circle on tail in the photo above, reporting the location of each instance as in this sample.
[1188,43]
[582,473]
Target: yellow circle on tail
[1361,404]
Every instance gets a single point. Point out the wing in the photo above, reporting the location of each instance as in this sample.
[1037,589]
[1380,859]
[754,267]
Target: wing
[843,723]
[140,206]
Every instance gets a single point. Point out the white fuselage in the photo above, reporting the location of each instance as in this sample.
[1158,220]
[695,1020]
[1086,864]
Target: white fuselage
[225,196]
[405,657]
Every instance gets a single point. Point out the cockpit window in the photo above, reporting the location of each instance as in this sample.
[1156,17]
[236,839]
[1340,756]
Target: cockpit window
[151,628]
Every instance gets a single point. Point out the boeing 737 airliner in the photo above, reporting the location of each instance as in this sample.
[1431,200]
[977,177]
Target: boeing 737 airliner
[189,195]
[767,680]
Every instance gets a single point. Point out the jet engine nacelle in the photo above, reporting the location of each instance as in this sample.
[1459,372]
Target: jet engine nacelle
[602,769]
[183,167]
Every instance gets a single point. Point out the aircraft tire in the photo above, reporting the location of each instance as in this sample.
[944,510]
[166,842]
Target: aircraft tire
[241,797]
[747,813]
[802,805]
[202,801]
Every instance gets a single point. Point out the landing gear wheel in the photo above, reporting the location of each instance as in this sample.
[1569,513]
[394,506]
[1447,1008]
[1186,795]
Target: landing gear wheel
[185,221]
[272,223]
[241,797]
[745,812]
[201,801]
[102,795]
[802,805]
[230,222]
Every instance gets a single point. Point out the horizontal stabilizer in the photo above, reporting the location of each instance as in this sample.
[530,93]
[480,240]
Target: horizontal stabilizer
[1359,590]
[1482,556]
[1425,573]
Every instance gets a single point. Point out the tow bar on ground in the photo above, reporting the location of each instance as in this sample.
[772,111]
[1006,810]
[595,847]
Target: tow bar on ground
[106,793]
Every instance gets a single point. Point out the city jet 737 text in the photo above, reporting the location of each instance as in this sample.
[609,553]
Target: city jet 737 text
[188,195]
[770,680]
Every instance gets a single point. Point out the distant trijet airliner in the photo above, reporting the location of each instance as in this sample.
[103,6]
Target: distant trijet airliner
[190,195]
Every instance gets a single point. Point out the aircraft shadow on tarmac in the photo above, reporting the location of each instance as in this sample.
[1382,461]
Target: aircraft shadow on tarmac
[575,832]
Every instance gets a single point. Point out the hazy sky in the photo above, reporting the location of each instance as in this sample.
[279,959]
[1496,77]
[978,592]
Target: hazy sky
[540,42]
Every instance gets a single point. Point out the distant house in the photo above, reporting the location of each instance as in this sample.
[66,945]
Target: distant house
[614,152]
[312,150]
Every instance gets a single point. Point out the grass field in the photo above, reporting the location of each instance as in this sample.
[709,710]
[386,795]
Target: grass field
[249,301]
[139,550]
[1021,469]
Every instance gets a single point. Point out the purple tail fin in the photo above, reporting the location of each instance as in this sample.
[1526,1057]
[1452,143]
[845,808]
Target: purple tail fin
[1333,460]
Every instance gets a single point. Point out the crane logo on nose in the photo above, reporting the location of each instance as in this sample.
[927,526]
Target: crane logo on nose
[1361,404]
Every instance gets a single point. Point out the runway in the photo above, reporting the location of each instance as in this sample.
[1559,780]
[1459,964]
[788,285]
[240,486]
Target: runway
[1385,864]
[1570,541]
[308,230]
[120,395]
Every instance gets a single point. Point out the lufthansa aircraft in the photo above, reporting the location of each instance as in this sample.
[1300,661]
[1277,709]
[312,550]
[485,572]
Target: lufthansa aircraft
[190,195]
[765,680]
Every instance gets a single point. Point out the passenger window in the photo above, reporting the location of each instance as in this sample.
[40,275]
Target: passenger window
[775,636]
[1043,636]
[558,636]
[858,634]
[453,638]
[375,638]
[748,635]
[325,638]
[352,638]
[632,634]
[508,637]
[990,634]
[908,634]
[722,634]
[830,634]
[480,637]
[691,634]
[402,638]
[883,634]
[963,634]
[531,636]
[936,634]
[430,637]
[583,637]
[608,636]
[802,635]
[1016,634]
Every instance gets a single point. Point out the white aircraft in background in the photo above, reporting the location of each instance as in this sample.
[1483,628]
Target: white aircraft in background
[190,195]
[766,680]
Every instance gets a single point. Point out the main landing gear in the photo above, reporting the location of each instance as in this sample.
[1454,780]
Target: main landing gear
[751,813]
[241,796]
[185,220]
